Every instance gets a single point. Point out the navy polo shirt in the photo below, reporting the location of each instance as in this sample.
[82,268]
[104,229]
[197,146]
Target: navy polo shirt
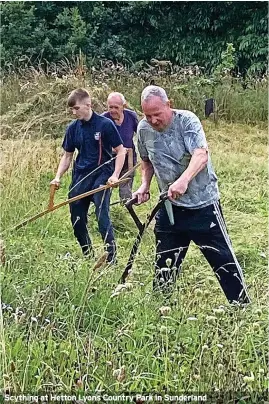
[94,140]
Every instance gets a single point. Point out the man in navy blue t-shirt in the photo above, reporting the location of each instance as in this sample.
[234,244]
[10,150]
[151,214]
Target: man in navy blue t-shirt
[93,136]
[126,122]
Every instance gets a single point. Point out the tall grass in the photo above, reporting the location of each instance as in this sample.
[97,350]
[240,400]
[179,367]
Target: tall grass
[35,105]
[65,330]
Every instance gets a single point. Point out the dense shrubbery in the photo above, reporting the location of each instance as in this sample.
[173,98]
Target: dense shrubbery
[134,32]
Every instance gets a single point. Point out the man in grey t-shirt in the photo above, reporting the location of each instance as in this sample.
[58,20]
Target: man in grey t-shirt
[172,145]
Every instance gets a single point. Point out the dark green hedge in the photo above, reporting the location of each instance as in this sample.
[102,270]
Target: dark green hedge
[126,31]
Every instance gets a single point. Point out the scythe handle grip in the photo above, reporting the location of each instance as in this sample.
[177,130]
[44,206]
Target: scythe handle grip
[131,202]
[129,205]
[52,193]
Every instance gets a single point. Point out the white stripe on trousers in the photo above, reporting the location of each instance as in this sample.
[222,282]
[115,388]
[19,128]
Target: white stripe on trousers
[223,229]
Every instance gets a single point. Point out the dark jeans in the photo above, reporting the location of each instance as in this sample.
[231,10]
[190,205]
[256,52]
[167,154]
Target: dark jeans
[79,210]
[206,227]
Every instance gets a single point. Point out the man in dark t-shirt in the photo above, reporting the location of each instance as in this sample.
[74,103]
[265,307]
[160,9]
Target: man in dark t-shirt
[126,122]
[94,137]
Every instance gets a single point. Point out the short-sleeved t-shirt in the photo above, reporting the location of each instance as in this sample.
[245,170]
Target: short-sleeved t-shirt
[94,140]
[127,128]
[170,153]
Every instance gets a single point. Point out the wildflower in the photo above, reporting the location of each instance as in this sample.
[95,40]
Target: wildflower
[121,288]
[168,262]
[34,319]
[79,383]
[205,347]
[165,310]
[192,319]
[165,269]
[220,366]
[249,379]
[219,312]
[163,329]
[219,345]
[211,319]
[119,374]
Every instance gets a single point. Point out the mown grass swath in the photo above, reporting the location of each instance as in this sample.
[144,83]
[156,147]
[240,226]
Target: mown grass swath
[65,327]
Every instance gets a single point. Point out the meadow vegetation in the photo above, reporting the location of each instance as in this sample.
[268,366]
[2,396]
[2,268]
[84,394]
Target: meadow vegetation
[63,326]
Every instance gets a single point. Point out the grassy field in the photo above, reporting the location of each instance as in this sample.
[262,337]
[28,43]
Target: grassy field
[63,329]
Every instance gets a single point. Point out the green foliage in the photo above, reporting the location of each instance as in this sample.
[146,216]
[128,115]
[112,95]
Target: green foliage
[72,32]
[183,32]
[227,62]
[17,30]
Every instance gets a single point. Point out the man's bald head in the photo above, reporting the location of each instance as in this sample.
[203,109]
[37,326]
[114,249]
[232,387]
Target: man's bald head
[115,105]
[117,96]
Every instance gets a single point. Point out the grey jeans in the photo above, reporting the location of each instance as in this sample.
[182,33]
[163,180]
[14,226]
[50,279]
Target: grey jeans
[125,189]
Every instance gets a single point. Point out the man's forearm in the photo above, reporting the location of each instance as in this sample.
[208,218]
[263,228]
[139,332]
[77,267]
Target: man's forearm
[63,166]
[197,163]
[147,172]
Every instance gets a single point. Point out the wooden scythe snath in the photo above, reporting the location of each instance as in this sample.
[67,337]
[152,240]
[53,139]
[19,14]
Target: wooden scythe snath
[52,207]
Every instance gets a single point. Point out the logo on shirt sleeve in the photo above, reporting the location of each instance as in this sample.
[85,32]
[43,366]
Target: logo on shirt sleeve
[97,135]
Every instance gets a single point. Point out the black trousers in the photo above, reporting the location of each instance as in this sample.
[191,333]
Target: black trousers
[206,227]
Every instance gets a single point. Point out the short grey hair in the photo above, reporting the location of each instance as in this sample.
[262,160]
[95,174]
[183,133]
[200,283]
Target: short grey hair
[154,91]
[116,94]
